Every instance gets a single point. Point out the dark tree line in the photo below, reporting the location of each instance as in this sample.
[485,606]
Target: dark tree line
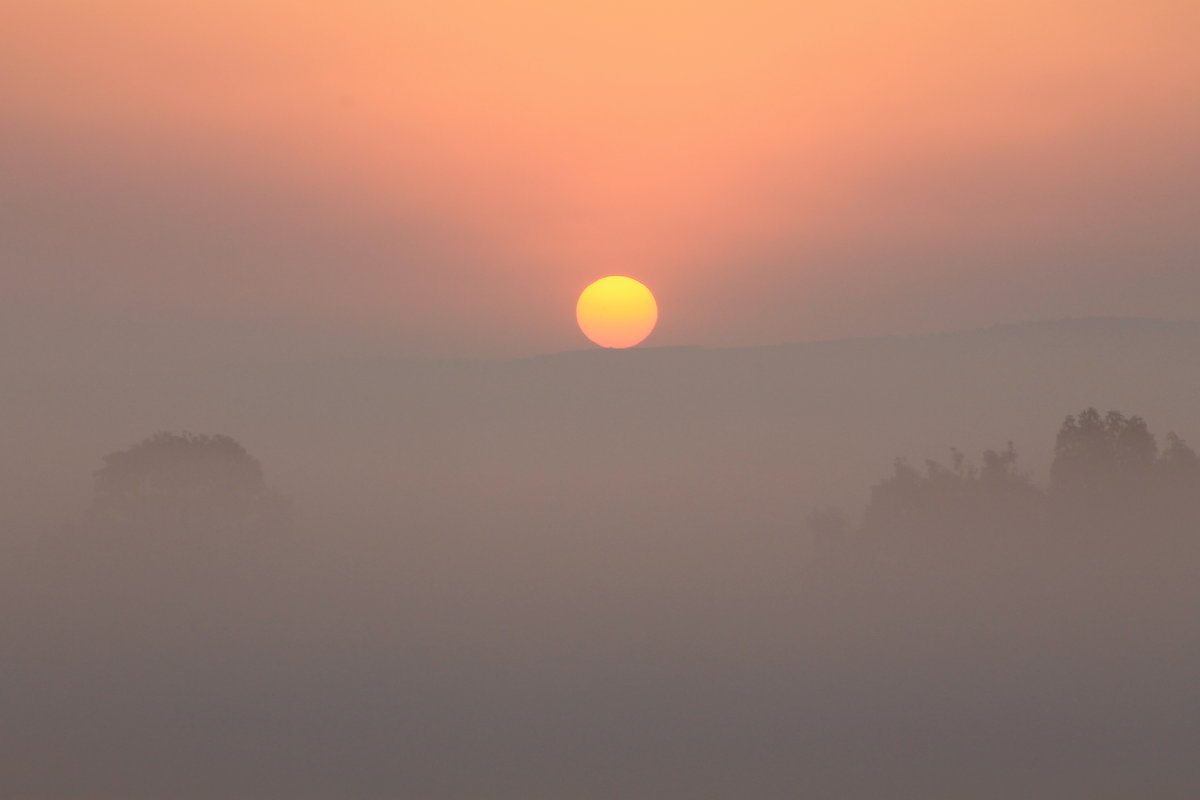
[1111,486]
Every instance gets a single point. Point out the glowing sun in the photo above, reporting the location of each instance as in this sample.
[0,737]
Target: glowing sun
[616,311]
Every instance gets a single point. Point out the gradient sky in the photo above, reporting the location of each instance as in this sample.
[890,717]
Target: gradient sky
[447,176]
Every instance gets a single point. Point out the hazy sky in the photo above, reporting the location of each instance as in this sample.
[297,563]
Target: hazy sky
[447,176]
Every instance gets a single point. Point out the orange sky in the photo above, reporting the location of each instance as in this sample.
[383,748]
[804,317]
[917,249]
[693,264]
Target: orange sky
[458,170]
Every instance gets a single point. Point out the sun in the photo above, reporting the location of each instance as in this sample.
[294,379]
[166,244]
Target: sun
[616,311]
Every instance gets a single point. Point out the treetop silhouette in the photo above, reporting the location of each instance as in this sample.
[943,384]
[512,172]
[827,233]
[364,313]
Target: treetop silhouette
[184,480]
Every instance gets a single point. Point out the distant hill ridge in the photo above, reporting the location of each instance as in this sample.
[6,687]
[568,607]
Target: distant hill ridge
[1068,326]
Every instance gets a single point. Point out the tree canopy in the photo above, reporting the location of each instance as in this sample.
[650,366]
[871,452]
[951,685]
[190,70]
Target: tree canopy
[184,480]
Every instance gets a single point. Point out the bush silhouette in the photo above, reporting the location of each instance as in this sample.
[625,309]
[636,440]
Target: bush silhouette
[944,505]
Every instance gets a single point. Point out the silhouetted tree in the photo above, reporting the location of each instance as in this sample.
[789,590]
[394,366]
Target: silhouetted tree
[1109,482]
[187,482]
[1098,457]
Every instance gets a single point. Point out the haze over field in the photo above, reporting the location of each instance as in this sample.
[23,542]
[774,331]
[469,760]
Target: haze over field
[312,487]
[600,574]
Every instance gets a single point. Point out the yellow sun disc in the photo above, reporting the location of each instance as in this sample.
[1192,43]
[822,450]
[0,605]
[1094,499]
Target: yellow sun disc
[616,311]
